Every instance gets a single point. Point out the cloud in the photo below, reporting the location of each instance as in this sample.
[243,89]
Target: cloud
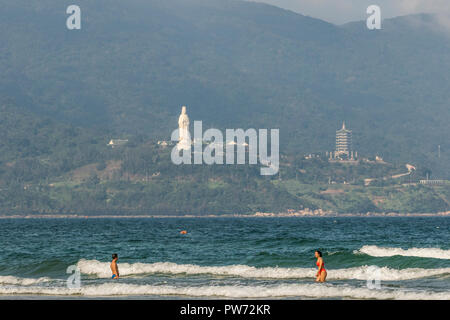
[428,6]
[439,7]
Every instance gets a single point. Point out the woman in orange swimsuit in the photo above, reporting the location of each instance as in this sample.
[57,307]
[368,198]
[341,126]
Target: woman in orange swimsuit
[321,274]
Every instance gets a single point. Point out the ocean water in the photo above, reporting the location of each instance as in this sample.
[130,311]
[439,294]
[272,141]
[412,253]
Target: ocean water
[268,258]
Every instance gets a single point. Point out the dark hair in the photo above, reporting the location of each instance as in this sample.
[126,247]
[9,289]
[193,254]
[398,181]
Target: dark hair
[319,252]
[114,256]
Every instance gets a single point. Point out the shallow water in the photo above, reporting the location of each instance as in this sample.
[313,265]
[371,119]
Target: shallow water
[228,257]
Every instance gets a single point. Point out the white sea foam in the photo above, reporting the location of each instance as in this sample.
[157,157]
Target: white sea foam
[101,269]
[22,281]
[257,291]
[376,251]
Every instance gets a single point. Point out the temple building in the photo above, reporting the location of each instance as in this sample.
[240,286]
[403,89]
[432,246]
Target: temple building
[344,146]
[343,141]
[117,142]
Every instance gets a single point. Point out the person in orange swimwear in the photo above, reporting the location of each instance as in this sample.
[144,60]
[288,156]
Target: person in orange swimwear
[114,267]
[321,274]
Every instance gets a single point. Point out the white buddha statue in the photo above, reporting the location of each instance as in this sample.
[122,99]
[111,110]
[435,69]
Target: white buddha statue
[184,142]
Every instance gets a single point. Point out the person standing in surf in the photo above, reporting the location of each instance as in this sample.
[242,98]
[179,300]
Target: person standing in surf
[321,274]
[114,267]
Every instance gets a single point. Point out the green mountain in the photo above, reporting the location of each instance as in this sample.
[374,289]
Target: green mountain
[235,64]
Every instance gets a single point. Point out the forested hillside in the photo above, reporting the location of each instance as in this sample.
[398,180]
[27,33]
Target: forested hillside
[234,64]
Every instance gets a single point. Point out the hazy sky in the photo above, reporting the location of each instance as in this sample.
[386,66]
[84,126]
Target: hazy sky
[341,11]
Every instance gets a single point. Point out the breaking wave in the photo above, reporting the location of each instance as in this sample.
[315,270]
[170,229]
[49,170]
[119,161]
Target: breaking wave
[376,251]
[22,281]
[101,269]
[229,291]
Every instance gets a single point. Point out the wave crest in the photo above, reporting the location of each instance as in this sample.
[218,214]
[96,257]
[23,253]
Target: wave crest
[22,281]
[101,269]
[376,251]
[262,291]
